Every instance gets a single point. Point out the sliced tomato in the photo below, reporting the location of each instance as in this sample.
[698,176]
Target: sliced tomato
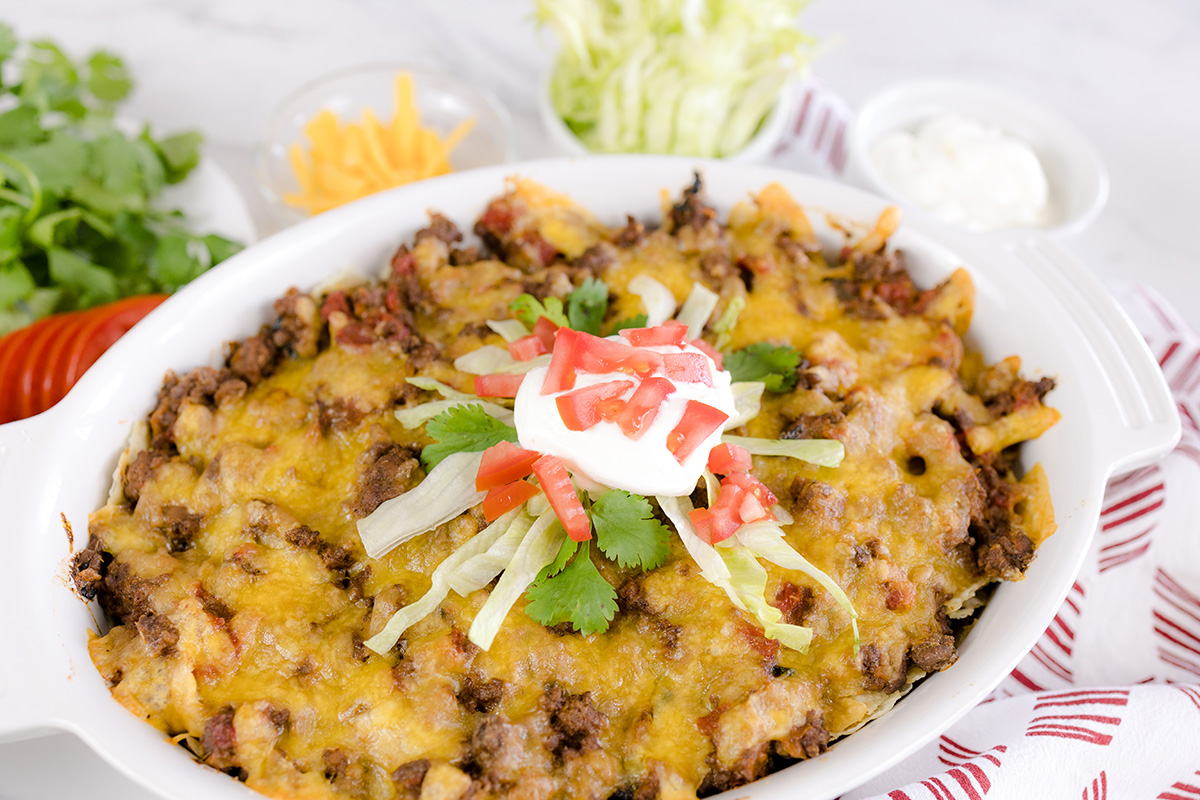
[699,420]
[544,329]
[528,347]
[725,459]
[560,375]
[600,356]
[502,499]
[502,464]
[556,483]
[714,525]
[670,332]
[727,511]
[687,368]
[753,485]
[751,509]
[643,406]
[611,408]
[702,520]
[709,350]
[115,321]
[498,384]
[580,408]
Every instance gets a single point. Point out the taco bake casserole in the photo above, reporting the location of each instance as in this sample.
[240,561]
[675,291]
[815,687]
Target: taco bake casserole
[344,564]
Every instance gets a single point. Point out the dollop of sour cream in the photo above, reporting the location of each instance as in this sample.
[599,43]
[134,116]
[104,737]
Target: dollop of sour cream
[965,173]
[603,452]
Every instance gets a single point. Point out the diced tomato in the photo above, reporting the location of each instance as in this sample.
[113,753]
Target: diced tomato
[702,521]
[498,384]
[610,409]
[544,329]
[753,485]
[714,524]
[596,355]
[560,375]
[670,332]
[725,459]
[503,463]
[726,511]
[709,350]
[699,420]
[579,409]
[751,509]
[556,483]
[528,347]
[687,368]
[502,499]
[643,406]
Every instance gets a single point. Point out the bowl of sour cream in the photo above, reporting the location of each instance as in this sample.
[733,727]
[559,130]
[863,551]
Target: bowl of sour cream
[977,158]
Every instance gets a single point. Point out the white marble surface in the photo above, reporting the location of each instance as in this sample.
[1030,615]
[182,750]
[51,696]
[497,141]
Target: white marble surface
[1127,74]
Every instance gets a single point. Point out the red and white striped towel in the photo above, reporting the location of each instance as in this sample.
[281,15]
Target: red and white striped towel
[1107,704]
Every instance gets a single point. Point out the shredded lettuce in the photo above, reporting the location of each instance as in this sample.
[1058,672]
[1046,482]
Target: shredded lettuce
[484,360]
[747,402]
[657,299]
[766,540]
[440,582]
[417,416]
[725,323]
[430,385]
[822,452]
[712,486]
[478,571]
[712,567]
[526,366]
[447,491]
[697,308]
[749,581]
[509,329]
[689,78]
[537,549]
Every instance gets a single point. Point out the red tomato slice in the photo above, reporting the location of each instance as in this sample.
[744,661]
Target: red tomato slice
[544,329]
[527,348]
[643,406]
[600,356]
[12,350]
[498,384]
[687,368]
[699,420]
[703,521]
[115,321]
[502,464]
[502,499]
[610,409]
[560,375]
[726,517]
[580,410]
[728,458]
[753,485]
[670,332]
[28,384]
[556,483]
[751,510]
[55,383]
[709,350]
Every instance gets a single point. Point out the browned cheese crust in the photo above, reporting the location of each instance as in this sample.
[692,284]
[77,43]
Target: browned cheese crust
[240,595]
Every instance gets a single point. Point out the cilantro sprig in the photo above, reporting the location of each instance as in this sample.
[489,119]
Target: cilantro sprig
[78,221]
[773,365]
[463,428]
[571,588]
[584,310]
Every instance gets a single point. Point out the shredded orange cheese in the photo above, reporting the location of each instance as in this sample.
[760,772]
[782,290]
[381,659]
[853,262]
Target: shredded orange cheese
[347,161]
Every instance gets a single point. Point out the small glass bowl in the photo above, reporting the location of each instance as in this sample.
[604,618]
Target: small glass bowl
[443,100]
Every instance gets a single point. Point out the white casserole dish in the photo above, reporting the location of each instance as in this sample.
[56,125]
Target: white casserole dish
[1033,300]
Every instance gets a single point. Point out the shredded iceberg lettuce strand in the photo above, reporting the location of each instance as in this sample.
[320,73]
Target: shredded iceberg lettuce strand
[749,580]
[440,581]
[697,308]
[537,549]
[822,452]
[509,329]
[656,298]
[430,385]
[747,402]
[418,415]
[478,571]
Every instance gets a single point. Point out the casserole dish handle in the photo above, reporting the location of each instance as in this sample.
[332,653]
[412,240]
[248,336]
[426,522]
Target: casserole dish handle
[1130,396]
[27,707]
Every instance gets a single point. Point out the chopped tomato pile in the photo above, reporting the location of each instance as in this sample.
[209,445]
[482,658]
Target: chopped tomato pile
[742,499]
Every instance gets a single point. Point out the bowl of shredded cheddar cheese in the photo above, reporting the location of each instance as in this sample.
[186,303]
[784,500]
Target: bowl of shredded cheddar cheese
[366,129]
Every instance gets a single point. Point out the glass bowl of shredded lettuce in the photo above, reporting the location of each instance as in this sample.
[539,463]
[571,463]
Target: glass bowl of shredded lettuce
[704,78]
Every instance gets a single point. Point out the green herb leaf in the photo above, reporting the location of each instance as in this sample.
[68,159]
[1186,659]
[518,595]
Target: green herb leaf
[773,365]
[628,533]
[90,283]
[587,305]
[10,236]
[220,248]
[108,80]
[20,126]
[463,428]
[565,551]
[180,154]
[638,321]
[177,260]
[578,595]
[8,41]
[527,308]
[15,283]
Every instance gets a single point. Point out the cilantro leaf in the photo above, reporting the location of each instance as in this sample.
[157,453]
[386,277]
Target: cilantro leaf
[108,80]
[90,283]
[578,595]
[8,41]
[628,533]
[638,321]
[565,551]
[773,365]
[180,153]
[463,428]
[527,308]
[587,305]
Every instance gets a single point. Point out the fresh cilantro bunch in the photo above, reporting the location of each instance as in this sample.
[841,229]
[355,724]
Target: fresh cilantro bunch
[78,223]
[773,365]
